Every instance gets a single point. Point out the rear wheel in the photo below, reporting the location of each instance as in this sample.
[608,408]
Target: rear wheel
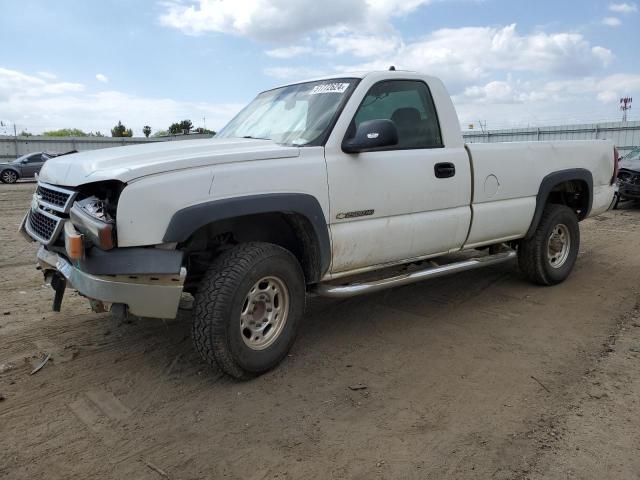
[247,309]
[8,176]
[547,258]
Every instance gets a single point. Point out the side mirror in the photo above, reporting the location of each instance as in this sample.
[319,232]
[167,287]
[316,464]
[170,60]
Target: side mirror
[370,135]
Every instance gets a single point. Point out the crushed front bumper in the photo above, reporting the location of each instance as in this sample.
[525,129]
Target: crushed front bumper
[156,296]
[627,190]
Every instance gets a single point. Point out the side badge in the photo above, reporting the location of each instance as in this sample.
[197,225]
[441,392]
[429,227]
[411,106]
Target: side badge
[373,135]
[357,213]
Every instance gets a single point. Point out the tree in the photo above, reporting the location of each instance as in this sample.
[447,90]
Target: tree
[146,130]
[161,133]
[175,129]
[205,131]
[24,133]
[186,126]
[66,132]
[121,131]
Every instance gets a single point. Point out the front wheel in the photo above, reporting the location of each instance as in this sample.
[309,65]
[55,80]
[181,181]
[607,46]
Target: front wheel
[248,308]
[8,176]
[547,258]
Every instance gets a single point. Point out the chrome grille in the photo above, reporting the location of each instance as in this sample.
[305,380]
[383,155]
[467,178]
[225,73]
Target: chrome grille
[43,226]
[49,209]
[55,198]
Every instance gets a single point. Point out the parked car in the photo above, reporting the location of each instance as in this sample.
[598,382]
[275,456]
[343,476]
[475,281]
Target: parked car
[26,166]
[307,188]
[629,177]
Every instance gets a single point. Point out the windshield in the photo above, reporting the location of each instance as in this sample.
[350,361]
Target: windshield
[300,114]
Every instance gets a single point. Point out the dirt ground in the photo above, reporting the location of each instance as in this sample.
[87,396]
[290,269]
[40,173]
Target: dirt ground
[480,375]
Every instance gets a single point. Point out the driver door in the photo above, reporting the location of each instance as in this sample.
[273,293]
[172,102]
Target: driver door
[388,205]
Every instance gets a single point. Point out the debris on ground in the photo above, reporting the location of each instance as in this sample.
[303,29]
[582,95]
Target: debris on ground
[6,313]
[635,349]
[41,364]
[5,367]
[2,397]
[358,386]
[541,384]
[158,470]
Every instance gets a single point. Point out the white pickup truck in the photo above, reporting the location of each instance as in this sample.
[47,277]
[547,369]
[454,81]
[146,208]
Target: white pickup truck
[325,187]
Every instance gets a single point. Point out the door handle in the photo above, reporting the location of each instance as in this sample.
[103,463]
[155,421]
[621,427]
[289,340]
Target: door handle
[444,170]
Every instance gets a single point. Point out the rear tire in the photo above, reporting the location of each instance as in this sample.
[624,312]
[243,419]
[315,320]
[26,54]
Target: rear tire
[8,176]
[248,308]
[547,258]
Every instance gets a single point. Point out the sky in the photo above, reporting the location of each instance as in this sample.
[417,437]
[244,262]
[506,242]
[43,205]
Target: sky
[509,63]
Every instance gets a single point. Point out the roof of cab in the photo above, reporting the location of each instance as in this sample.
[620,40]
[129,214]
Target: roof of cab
[356,74]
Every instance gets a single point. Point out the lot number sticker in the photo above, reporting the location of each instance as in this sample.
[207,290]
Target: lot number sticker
[329,88]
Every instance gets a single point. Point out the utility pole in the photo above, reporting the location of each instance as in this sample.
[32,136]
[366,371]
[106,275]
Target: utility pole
[625,106]
[483,127]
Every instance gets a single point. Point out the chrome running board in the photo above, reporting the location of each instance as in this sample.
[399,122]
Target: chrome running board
[350,290]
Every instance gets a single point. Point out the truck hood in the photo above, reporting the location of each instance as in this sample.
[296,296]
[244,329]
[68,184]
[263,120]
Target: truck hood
[128,163]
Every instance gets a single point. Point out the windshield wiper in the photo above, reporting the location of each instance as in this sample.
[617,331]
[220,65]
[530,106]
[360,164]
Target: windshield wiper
[255,138]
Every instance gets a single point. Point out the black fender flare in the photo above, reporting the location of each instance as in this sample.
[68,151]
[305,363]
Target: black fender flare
[550,182]
[185,222]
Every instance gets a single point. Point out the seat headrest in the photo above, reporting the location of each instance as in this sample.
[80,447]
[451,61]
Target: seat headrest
[406,116]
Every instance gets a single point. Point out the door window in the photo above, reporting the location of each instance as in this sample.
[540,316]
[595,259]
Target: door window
[409,105]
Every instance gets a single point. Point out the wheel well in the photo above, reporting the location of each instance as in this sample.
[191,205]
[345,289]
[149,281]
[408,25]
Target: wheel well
[12,169]
[575,194]
[291,231]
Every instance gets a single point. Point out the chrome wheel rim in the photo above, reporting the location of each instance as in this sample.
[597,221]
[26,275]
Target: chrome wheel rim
[9,176]
[264,313]
[559,245]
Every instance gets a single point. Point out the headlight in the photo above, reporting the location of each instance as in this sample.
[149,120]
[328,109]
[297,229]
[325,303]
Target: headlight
[96,208]
[91,217]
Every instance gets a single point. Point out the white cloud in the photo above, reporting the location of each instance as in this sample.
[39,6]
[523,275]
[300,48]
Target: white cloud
[361,45]
[623,7]
[463,56]
[289,52]
[261,19]
[48,75]
[37,105]
[611,21]
[102,78]
[16,84]
[519,103]
[281,20]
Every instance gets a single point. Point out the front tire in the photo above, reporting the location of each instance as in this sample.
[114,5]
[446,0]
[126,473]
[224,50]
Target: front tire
[8,176]
[248,308]
[548,257]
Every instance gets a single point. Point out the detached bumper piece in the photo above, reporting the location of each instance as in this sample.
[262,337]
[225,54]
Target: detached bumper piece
[627,191]
[148,295]
[629,184]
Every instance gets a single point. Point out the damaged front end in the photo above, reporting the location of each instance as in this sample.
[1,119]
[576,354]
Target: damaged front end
[628,180]
[76,229]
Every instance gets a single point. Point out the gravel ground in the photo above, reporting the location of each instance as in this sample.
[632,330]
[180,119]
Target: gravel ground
[480,375]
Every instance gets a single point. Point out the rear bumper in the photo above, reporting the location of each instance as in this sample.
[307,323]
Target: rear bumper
[156,296]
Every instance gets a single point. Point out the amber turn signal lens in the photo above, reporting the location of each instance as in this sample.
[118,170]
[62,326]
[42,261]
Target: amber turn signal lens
[106,237]
[73,242]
